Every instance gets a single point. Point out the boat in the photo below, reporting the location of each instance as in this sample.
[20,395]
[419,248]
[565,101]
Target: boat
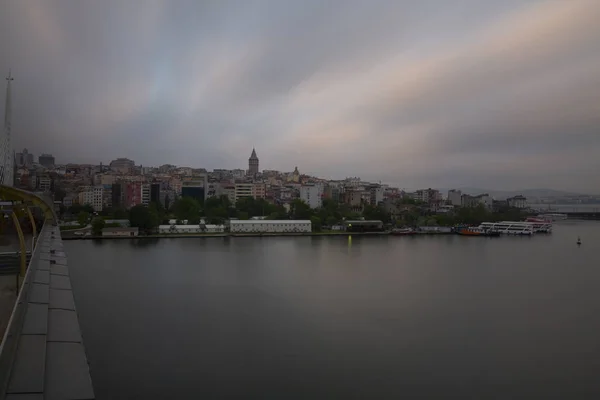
[403,232]
[434,230]
[540,225]
[517,228]
[477,231]
[553,216]
[578,241]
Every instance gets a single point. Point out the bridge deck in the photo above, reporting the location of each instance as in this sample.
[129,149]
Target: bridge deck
[50,360]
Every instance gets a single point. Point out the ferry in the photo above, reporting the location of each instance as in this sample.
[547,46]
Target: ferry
[518,228]
[553,217]
[477,231]
[540,225]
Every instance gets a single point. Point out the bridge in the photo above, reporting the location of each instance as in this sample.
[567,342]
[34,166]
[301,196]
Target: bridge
[42,355]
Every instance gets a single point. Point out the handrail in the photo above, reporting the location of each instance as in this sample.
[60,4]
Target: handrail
[10,339]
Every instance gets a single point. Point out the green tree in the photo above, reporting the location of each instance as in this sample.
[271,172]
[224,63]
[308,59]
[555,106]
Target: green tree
[331,220]
[375,213]
[300,210]
[315,223]
[97,225]
[120,213]
[77,208]
[83,217]
[144,218]
[187,208]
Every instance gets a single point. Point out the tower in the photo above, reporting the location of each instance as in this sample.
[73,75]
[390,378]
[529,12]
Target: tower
[6,151]
[253,163]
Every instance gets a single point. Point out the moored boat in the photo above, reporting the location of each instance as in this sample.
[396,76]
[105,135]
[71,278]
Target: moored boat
[477,231]
[403,232]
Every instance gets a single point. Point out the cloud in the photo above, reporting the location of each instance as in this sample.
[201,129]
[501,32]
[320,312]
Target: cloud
[413,93]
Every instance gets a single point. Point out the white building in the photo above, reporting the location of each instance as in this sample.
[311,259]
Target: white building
[92,196]
[312,195]
[270,226]
[178,229]
[145,194]
[377,193]
[517,201]
[454,197]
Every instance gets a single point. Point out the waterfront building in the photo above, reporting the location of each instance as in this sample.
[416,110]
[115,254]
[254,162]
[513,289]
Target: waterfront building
[270,226]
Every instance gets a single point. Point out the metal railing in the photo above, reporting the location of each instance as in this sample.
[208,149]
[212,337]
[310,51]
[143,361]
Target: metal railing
[8,345]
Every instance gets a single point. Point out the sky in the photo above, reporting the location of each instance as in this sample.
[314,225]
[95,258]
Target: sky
[448,93]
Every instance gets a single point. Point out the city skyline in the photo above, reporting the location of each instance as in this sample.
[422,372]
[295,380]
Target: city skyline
[477,94]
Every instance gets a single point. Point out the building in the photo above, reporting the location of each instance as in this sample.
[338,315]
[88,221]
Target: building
[122,166]
[120,232]
[47,160]
[155,193]
[201,228]
[243,190]
[117,195]
[7,154]
[93,196]
[312,195]
[195,187]
[259,190]
[132,194]
[44,183]
[519,201]
[270,226]
[376,195]
[455,197]
[429,196]
[364,226]
[253,164]
[145,194]
[24,159]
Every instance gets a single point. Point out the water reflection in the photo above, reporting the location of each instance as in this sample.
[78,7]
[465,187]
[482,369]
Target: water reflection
[145,242]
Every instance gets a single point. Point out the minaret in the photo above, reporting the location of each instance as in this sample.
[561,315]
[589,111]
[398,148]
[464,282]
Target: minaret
[253,163]
[6,151]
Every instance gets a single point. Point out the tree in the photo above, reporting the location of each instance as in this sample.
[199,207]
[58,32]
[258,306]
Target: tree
[300,210]
[83,217]
[375,213]
[77,208]
[315,223]
[187,208]
[59,194]
[97,225]
[120,213]
[144,218]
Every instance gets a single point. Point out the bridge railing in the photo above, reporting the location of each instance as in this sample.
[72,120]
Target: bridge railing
[8,346]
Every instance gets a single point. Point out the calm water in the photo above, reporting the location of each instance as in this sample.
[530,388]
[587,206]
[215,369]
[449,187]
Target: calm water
[391,317]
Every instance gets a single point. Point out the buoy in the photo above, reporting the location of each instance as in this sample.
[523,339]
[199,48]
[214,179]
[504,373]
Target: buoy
[579,241]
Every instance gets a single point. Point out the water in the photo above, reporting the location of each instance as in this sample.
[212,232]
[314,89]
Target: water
[388,317]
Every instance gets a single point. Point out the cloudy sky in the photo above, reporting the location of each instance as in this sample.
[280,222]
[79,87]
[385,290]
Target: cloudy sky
[448,93]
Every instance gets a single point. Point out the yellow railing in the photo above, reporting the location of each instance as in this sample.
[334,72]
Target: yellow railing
[22,201]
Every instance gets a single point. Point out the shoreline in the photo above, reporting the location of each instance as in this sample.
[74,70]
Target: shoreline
[226,235]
